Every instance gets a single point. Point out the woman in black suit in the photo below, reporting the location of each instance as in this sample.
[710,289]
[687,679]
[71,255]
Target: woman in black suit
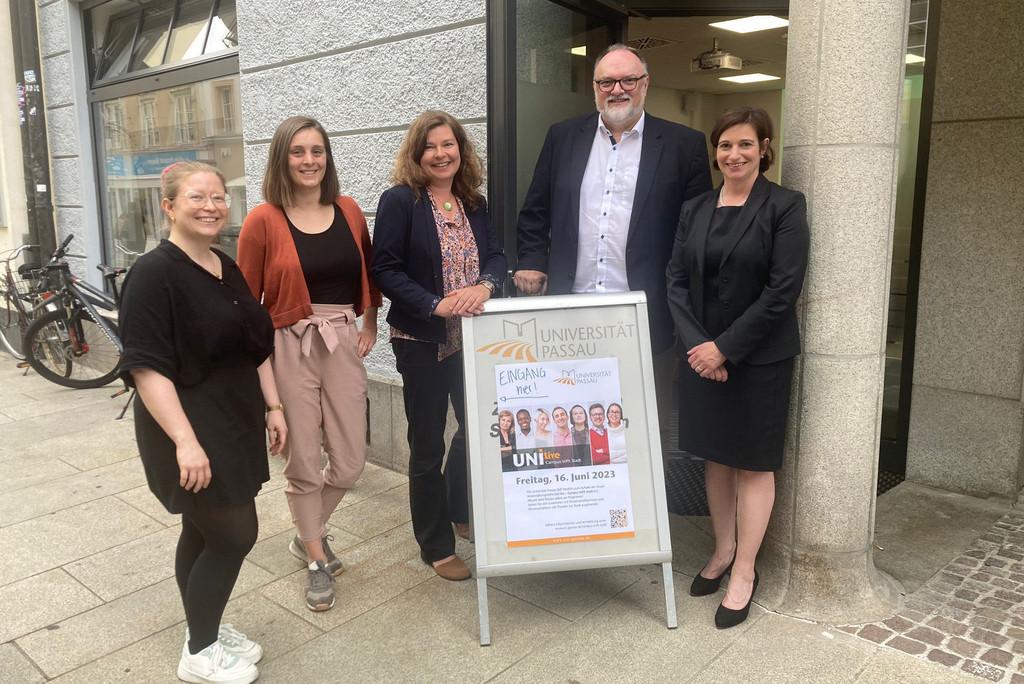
[436,257]
[736,272]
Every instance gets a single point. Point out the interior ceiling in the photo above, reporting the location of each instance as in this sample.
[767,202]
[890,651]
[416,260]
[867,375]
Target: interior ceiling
[762,52]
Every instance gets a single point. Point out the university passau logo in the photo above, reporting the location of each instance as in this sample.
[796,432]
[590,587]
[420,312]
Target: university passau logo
[519,343]
[568,378]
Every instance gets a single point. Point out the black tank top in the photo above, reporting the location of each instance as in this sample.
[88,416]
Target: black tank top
[331,263]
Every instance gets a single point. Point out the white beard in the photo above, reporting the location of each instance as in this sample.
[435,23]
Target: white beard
[619,115]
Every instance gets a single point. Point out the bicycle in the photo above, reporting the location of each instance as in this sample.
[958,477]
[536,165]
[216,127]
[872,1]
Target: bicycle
[70,342]
[19,295]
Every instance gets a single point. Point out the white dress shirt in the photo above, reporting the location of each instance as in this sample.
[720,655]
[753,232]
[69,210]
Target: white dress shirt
[606,204]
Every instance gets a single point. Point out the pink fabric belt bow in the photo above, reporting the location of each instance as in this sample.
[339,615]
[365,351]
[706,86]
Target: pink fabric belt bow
[322,324]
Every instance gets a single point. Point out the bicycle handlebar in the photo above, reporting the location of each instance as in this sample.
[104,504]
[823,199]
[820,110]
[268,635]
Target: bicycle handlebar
[16,252]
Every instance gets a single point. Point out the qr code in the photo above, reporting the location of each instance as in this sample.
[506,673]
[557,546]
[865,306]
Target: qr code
[618,517]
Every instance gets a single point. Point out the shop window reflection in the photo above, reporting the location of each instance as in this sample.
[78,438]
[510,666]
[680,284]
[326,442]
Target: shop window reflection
[142,135]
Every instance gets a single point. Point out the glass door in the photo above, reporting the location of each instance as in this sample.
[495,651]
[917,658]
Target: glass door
[540,68]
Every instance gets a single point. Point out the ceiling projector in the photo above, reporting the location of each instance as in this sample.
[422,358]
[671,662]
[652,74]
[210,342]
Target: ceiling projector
[715,60]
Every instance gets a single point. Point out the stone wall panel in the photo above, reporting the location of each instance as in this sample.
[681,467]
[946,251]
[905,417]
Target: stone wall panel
[273,31]
[845,292]
[964,442]
[67,181]
[62,130]
[57,80]
[838,452]
[377,87]
[860,80]
[979,47]
[970,320]
[54,30]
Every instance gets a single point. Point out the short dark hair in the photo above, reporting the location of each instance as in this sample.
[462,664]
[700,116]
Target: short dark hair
[756,117]
[594,406]
[522,411]
[277,181]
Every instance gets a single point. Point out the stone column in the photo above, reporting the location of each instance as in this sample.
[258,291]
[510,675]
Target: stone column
[844,76]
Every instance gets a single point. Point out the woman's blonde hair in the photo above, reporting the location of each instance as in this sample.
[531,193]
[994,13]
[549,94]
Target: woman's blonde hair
[277,181]
[407,170]
[174,175]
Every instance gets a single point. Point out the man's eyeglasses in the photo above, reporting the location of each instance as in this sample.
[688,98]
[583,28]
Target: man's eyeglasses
[197,200]
[607,85]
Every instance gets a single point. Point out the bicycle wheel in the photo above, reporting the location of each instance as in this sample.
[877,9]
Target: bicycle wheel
[13,325]
[79,364]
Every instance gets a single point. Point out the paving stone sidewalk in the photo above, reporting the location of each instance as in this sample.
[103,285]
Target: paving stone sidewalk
[87,592]
[970,615]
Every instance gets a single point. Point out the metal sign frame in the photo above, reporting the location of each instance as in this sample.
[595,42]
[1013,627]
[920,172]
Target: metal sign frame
[477,406]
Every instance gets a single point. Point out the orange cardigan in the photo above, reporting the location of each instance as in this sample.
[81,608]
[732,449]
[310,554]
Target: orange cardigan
[270,264]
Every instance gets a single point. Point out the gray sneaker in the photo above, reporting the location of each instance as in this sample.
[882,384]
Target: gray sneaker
[320,589]
[334,564]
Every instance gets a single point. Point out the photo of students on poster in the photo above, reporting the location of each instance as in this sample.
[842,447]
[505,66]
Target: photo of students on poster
[561,437]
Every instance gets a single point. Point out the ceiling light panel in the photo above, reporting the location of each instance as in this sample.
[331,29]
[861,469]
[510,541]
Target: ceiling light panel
[761,22]
[749,78]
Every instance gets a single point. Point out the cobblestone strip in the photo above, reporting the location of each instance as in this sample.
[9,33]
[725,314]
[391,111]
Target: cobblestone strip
[970,614]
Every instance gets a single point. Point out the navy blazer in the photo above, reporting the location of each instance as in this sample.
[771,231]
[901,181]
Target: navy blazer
[406,261]
[673,168]
[759,277]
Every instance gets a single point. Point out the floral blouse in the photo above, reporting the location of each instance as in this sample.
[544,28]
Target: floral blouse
[460,267]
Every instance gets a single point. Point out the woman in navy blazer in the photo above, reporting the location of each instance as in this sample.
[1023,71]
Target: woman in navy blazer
[436,257]
[735,275]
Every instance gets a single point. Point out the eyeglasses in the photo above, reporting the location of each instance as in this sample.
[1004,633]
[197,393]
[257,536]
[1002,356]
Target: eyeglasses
[607,85]
[197,200]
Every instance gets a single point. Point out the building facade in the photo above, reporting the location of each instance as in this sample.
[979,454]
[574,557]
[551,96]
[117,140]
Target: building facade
[131,87]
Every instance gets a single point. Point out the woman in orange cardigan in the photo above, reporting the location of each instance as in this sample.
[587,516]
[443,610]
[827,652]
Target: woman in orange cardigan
[305,252]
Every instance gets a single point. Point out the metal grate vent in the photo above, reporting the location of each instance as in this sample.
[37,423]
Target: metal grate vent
[649,42]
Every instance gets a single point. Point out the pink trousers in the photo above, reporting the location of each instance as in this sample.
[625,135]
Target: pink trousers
[322,383]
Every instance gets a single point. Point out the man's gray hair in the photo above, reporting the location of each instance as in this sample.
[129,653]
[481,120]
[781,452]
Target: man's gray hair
[620,46]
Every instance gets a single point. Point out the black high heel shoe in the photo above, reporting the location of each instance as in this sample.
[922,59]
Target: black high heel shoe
[702,586]
[727,617]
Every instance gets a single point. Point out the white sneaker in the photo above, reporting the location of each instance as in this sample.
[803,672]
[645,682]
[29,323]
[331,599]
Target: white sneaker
[214,665]
[236,643]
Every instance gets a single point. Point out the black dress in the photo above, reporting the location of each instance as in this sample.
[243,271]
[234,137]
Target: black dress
[207,336]
[741,422]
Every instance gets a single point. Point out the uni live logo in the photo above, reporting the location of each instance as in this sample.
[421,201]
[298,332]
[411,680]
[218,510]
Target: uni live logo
[520,341]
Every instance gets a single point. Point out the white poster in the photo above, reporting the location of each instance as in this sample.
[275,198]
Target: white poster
[561,436]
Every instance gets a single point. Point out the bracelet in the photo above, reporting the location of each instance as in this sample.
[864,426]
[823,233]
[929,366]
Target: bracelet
[275,407]
[486,283]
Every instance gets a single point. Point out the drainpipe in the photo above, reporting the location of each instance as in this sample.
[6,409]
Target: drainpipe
[32,114]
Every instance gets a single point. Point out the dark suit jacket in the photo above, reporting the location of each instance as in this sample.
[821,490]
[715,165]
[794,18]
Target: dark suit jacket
[759,278]
[406,262]
[673,168]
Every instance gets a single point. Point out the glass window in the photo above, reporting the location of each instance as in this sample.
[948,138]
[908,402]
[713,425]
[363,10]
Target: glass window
[226,97]
[115,125]
[135,153]
[184,117]
[151,41]
[223,28]
[147,122]
[136,35]
[114,38]
[189,33]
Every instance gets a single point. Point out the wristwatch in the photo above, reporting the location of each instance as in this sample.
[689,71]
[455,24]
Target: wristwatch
[486,283]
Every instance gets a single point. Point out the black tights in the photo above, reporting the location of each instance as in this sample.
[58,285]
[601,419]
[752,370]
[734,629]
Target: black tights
[211,548]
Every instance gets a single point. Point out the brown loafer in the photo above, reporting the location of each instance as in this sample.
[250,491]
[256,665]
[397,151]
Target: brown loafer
[454,570]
